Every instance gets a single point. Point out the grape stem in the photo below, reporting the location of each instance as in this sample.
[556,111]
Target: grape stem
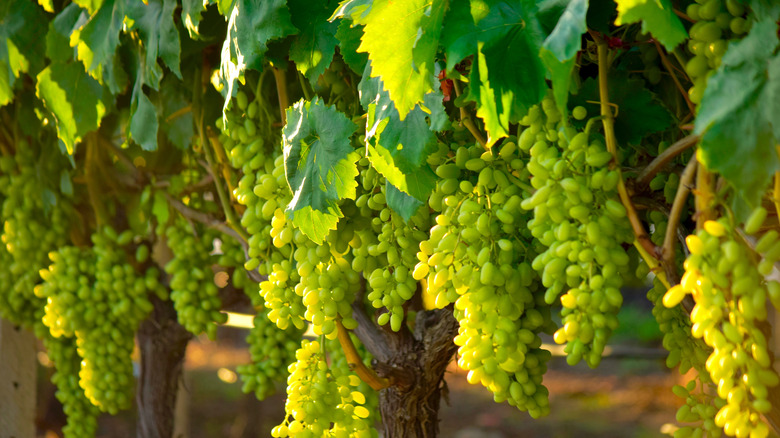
[465,120]
[670,69]
[92,165]
[648,173]
[356,364]
[197,100]
[178,113]
[609,133]
[667,252]
[307,92]
[281,91]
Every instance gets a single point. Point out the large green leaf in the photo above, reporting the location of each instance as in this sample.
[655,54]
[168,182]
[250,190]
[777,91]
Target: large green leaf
[737,121]
[58,47]
[98,39]
[320,164]
[191,14]
[157,29]
[349,41]
[76,100]
[21,46]
[657,17]
[507,76]
[400,202]
[560,49]
[639,111]
[252,24]
[401,38]
[313,48]
[400,147]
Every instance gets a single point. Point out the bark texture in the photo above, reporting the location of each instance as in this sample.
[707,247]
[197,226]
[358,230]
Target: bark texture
[163,343]
[415,364]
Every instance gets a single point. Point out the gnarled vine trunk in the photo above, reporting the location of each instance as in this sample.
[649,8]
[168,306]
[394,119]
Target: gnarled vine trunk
[163,343]
[415,364]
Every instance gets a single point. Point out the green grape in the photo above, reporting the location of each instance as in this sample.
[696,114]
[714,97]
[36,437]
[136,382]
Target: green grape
[475,258]
[717,23]
[80,412]
[194,294]
[271,351]
[730,292]
[581,223]
[322,399]
[96,296]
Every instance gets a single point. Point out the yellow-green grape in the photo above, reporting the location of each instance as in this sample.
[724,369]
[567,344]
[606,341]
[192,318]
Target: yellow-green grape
[194,294]
[578,218]
[271,350]
[31,228]
[717,23]
[730,294]
[322,400]
[579,112]
[475,257]
[95,295]
[386,251]
[80,412]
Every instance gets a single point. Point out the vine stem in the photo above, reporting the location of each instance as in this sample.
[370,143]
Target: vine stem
[658,163]
[281,90]
[667,252]
[91,168]
[197,105]
[705,196]
[356,364]
[609,134]
[465,119]
[670,69]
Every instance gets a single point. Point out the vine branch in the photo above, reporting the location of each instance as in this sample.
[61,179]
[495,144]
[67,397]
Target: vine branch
[281,90]
[465,119]
[356,364]
[670,69]
[648,173]
[667,252]
[609,134]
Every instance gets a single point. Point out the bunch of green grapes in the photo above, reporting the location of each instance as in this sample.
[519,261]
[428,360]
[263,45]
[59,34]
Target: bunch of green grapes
[579,219]
[386,248]
[80,412]
[700,407]
[335,84]
[475,258]
[322,400]
[35,221]
[271,350]
[728,285]
[194,294]
[717,23]
[95,295]
[338,359]
[263,190]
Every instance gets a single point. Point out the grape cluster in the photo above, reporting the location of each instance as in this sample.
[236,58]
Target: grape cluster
[35,221]
[322,400]
[194,294]
[717,22]
[700,407]
[271,351]
[80,412]
[578,217]
[385,248]
[95,295]
[727,283]
[475,258]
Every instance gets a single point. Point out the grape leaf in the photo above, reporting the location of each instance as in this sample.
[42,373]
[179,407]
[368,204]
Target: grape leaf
[97,40]
[58,37]
[191,14]
[356,10]
[172,98]
[739,131]
[639,111]
[349,40]
[400,202]
[90,5]
[401,39]
[143,123]
[77,101]
[21,47]
[313,49]
[252,24]
[154,21]
[657,18]
[502,38]
[320,165]
[401,147]
[560,49]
